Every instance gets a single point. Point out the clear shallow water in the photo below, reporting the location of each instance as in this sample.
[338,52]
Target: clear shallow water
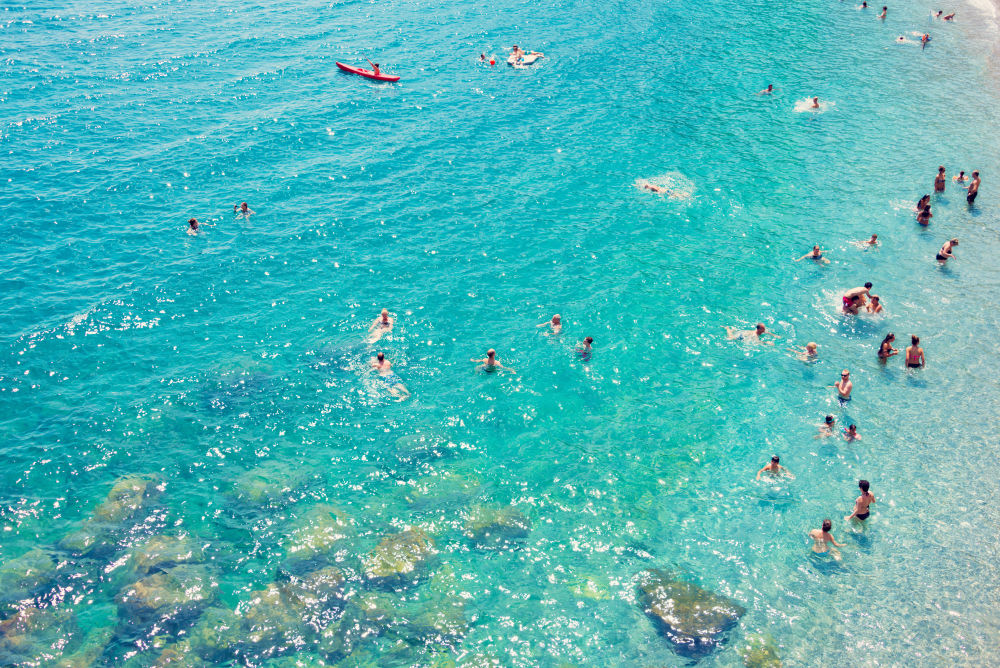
[474,202]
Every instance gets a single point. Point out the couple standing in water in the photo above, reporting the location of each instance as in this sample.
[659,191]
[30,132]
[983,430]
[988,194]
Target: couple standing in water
[823,540]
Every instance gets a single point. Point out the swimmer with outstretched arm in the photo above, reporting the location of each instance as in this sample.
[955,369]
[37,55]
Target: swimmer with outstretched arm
[736,334]
[555,324]
[807,354]
[382,325]
[814,254]
[389,377]
[490,363]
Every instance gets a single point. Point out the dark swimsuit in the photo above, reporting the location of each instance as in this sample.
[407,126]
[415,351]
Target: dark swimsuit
[971,197]
[941,257]
[863,516]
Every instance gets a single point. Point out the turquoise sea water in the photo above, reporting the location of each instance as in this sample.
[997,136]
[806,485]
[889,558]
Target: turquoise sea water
[231,368]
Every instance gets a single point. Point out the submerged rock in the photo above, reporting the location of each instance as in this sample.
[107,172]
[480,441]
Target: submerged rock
[400,557]
[26,576]
[217,637]
[692,618]
[273,620]
[170,597]
[594,587]
[439,624]
[32,635]
[163,552]
[269,483]
[496,527]
[448,489]
[760,651]
[97,536]
[365,618]
[316,539]
[179,655]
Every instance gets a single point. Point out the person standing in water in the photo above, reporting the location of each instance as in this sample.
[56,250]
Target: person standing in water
[555,324]
[823,539]
[815,104]
[885,349]
[862,504]
[945,253]
[844,387]
[940,180]
[915,354]
[851,433]
[884,11]
[382,325]
[973,188]
[925,215]
[774,469]
[826,429]
[490,363]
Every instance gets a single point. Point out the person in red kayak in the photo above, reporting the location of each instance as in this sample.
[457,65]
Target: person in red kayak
[374,66]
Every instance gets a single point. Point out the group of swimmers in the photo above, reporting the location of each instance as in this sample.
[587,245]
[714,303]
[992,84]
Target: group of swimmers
[194,227]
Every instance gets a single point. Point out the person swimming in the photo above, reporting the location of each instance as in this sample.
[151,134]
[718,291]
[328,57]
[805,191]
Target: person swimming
[774,469]
[807,354]
[948,17]
[851,434]
[555,324]
[586,348]
[862,505]
[767,91]
[885,349]
[243,208]
[915,354]
[844,387]
[750,335]
[875,305]
[961,178]
[945,254]
[490,363]
[193,227]
[921,203]
[826,429]
[387,376]
[815,103]
[923,41]
[381,326]
[823,539]
[815,254]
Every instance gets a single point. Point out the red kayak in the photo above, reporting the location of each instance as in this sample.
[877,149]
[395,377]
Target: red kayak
[367,73]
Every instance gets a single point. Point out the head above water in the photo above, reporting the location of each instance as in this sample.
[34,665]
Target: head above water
[845,373]
[244,206]
[914,339]
[588,340]
[890,337]
[868,285]
[193,223]
[761,328]
[941,169]
[954,242]
[863,484]
[829,419]
[874,237]
[774,459]
[385,313]
[811,347]
[852,428]
[381,357]
[491,353]
[975,173]
[556,319]
[875,299]
[827,525]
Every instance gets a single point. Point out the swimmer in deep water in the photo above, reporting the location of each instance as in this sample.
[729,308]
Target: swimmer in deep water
[774,469]
[555,324]
[875,305]
[870,243]
[193,227]
[948,17]
[862,510]
[750,335]
[884,10]
[389,377]
[851,433]
[814,254]
[864,4]
[844,387]
[807,354]
[915,354]
[815,104]
[944,254]
[885,349]
[973,188]
[823,539]
[767,91]
[961,178]
[826,429]
[382,325]
[243,208]
[642,184]
[940,180]
[586,348]
[490,363]
[923,41]
[925,215]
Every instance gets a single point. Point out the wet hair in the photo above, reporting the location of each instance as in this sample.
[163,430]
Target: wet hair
[914,339]
[853,426]
[941,168]
[888,337]
[954,242]
[875,298]
[827,525]
[961,172]
[829,419]
[868,285]
[774,458]
[589,339]
[863,484]
[975,172]
[380,356]
[193,222]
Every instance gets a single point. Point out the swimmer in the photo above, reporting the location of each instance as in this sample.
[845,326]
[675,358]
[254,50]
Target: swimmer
[915,354]
[555,324]
[482,57]
[815,104]
[925,215]
[864,4]
[901,40]
[807,354]
[193,227]
[923,41]
[586,348]
[852,305]
[871,243]
[860,293]
[937,14]
[375,69]
[814,254]
[844,387]
[875,305]
[885,349]
[940,180]
[851,434]
[884,10]
[823,539]
[826,429]
[948,17]
[774,469]
[490,363]
[973,188]
[921,203]
[389,377]
[768,90]
[862,503]
[750,335]
[243,208]
[961,178]
[382,325]
[661,190]
[945,253]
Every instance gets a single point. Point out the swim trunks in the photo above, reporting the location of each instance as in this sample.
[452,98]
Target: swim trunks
[913,366]
[863,516]
[971,197]
[941,257]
